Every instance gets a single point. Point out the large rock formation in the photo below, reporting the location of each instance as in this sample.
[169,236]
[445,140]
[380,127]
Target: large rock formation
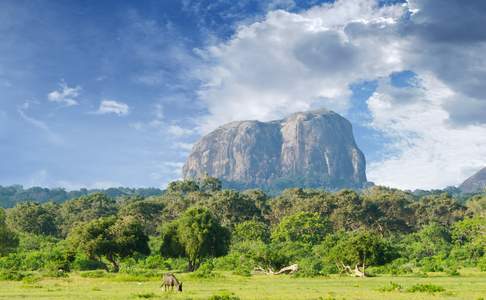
[475,183]
[307,149]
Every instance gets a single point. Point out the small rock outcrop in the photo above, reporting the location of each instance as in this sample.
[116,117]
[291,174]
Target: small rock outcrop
[306,149]
[475,183]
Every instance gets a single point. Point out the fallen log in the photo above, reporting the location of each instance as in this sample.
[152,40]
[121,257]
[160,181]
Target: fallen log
[288,270]
[285,270]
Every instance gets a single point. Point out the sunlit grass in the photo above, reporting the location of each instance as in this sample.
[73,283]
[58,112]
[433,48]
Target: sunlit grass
[471,285]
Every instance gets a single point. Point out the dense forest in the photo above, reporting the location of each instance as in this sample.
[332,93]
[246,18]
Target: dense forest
[198,226]
[11,195]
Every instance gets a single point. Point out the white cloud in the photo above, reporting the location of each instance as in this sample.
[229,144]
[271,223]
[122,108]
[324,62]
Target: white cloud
[65,95]
[298,61]
[113,107]
[427,151]
[179,131]
[291,62]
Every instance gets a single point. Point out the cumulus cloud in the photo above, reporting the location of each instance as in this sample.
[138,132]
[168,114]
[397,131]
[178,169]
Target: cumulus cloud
[113,107]
[447,38]
[427,151]
[298,61]
[65,94]
[291,62]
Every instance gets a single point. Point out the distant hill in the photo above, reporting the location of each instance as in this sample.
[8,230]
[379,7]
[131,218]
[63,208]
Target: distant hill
[10,195]
[313,149]
[475,183]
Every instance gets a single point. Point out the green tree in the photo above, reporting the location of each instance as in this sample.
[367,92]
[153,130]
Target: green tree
[170,245]
[350,213]
[209,184]
[470,236]
[441,209]
[183,187]
[181,195]
[110,238]
[85,209]
[251,231]
[201,235]
[148,212]
[357,248]
[304,227]
[388,210]
[431,240]
[261,200]
[477,206]
[8,239]
[30,217]
[232,208]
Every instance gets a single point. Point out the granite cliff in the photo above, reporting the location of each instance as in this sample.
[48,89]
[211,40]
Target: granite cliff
[306,149]
[475,183]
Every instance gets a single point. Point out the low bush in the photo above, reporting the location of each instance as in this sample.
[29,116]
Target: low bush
[13,275]
[224,297]
[154,262]
[391,287]
[83,263]
[309,267]
[244,269]
[205,270]
[397,267]
[425,288]
[482,264]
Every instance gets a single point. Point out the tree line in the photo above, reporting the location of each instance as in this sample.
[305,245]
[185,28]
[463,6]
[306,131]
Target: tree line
[198,225]
[11,195]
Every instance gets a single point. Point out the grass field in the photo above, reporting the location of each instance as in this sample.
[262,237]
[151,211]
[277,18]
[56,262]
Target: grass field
[470,285]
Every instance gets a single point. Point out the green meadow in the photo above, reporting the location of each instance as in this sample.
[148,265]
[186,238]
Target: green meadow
[470,285]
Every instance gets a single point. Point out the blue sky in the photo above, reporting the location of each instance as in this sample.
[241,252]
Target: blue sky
[109,93]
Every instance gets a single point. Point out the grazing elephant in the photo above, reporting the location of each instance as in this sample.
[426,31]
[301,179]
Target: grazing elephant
[169,281]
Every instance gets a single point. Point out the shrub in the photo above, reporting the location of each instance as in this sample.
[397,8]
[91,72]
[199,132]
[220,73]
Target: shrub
[13,261]
[425,288]
[399,266]
[224,297]
[309,267]
[228,262]
[205,270]
[13,275]
[155,262]
[391,287]
[482,264]
[244,269]
[432,264]
[83,263]
[181,264]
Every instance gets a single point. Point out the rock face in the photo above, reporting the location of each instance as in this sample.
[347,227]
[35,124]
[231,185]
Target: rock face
[475,183]
[307,149]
